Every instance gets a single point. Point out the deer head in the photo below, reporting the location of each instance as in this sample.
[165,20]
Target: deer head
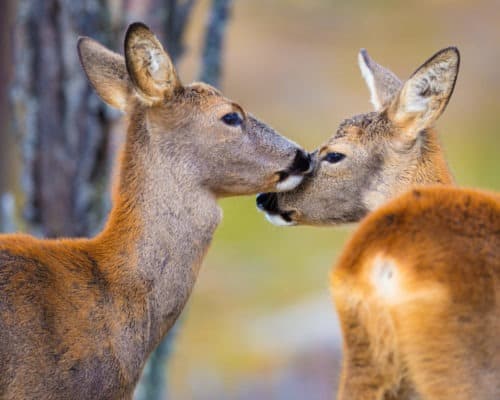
[372,157]
[198,130]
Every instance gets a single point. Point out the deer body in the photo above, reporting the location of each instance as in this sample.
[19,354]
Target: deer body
[90,311]
[417,286]
[78,317]
[417,291]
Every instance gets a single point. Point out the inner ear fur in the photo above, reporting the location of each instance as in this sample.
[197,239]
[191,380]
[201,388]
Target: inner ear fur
[382,83]
[148,64]
[106,72]
[426,94]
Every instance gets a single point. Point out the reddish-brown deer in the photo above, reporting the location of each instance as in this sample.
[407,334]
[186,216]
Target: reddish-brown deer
[417,290]
[78,318]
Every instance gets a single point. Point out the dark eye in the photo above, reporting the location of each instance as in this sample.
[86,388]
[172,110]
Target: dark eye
[232,119]
[334,157]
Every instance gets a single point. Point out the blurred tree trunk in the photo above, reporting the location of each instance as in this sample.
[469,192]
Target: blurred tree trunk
[66,131]
[64,126]
[7,161]
[211,65]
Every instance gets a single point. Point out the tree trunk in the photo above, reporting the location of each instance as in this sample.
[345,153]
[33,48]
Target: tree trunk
[7,161]
[211,66]
[63,124]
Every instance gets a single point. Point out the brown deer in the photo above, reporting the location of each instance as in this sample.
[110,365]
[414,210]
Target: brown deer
[375,156]
[417,290]
[79,317]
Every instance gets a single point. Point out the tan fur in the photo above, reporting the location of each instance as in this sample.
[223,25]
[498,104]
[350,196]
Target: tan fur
[149,66]
[106,72]
[416,286]
[427,326]
[79,317]
[386,152]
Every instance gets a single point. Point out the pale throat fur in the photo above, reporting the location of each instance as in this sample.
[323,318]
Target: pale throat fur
[162,186]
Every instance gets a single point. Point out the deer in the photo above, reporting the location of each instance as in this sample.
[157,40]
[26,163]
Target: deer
[79,317]
[375,156]
[415,288]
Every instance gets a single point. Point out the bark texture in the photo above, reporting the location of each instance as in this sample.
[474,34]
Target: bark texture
[211,65]
[62,124]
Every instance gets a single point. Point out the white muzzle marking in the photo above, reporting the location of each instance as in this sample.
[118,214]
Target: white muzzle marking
[290,183]
[278,220]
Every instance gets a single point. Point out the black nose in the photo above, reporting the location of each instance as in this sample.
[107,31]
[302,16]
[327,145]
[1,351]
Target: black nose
[301,163]
[267,202]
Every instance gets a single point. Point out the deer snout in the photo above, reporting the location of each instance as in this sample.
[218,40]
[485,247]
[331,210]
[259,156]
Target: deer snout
[268,203]
[301,163]
[291,177]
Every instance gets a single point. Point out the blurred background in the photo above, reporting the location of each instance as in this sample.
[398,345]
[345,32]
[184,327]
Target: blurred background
[260,324]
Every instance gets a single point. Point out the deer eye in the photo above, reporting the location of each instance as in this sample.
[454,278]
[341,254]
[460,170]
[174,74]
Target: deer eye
[334,157]
[232,119]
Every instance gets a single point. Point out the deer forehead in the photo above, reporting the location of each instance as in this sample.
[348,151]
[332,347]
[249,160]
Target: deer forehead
[197,101]
[208,100]
[360,121]
[203,90]
[364,127]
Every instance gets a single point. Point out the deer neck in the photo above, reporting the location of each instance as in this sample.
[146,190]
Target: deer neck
[160,228]
[432,168]
[424,164]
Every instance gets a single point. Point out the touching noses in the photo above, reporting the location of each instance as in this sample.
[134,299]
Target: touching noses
[291,177]
[301,163]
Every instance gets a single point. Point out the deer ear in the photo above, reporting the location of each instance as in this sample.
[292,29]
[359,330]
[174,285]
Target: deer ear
[425,95]
[148,64]
[381,82]
[106,72]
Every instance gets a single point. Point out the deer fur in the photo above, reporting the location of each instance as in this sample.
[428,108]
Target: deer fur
[385,152]
[417,292]
[416,287]
[79,317]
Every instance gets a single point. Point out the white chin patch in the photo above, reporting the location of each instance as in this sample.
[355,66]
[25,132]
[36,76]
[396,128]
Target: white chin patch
[289,183]
[277,220]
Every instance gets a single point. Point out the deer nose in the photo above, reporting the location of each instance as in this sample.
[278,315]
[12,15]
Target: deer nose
[301,163]
[267,202]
